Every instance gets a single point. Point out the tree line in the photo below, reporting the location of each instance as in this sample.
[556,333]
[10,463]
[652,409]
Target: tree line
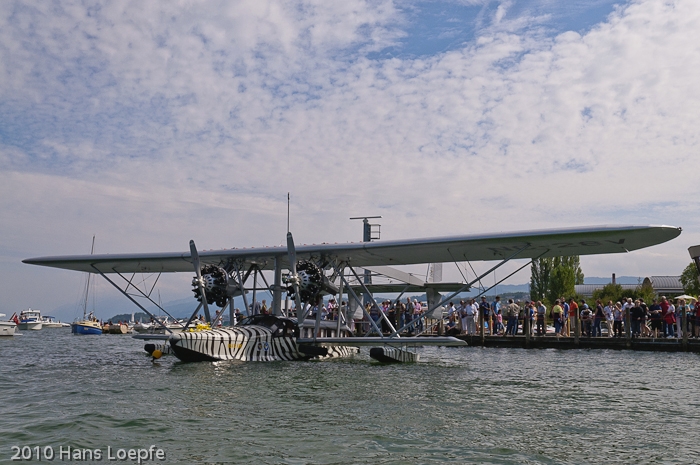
[555,277]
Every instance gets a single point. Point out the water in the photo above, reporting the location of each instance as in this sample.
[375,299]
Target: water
[458,405]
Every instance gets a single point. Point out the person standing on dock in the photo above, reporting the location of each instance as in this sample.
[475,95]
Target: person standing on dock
[598,318]
[392,313]
[586,318]
[417,315]
[618,316]
[564,317]
[408,314]
[665,304]
[655,319]
[541,312]
[556,317]
[679,318]
[471,325]
[573,315]
[646,332]
[496,316]
[670,319]
[485,312]
[512,312]
[465,316]
[608,311]
[636,317]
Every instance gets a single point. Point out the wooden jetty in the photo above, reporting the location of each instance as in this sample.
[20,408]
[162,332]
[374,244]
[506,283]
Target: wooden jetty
[552,342]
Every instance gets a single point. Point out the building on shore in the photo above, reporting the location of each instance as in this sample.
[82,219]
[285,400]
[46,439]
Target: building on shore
[662,285]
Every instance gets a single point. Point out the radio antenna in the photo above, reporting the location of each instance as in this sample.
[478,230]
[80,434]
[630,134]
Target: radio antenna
[287,211]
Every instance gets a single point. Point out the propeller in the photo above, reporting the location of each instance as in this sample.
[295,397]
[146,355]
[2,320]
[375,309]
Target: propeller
[215,282]
[293,279]
[199,281]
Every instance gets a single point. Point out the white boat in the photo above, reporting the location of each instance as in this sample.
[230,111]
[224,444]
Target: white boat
[142,327]
[7,328]
[30,319]
[52,322]
[172,325]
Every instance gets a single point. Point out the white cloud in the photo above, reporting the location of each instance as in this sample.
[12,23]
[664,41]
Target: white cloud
[153,123]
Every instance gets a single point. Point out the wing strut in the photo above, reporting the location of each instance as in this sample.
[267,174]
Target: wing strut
[374,302]
[241,287]
[362,306]
[128,296]
[468,285]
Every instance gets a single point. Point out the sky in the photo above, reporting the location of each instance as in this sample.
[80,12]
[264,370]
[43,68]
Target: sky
[149,124]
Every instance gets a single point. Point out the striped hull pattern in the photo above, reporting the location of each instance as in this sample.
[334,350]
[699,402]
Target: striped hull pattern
[164,348]
[244,343]
[392,355]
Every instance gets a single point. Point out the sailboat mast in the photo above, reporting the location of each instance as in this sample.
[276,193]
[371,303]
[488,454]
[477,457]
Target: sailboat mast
[87,285]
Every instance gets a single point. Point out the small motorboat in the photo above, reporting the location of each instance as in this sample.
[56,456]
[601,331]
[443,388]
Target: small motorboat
[52,322]
[9,327]
[30,320]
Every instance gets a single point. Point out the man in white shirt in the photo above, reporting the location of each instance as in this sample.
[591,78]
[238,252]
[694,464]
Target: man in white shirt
[608,312]
[465,317]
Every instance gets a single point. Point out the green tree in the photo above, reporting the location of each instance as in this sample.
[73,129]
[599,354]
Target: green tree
[615,293]
[540,272]
[609,292]
[689,280]
[554,277]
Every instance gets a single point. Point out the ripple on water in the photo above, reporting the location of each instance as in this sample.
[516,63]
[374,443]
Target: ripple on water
[463,405]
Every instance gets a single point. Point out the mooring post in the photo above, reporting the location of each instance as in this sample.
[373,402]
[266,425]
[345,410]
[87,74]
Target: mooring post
[481,327]
[526,327]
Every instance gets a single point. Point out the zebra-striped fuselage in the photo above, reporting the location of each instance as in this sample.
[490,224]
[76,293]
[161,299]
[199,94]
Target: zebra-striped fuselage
[273,339]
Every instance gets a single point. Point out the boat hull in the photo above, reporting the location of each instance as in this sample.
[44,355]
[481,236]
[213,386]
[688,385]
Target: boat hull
[31,325]
[85,329]
[247,343]
[7,328]
[51,325]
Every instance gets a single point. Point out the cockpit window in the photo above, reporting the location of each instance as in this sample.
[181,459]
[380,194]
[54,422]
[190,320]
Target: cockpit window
[279,326]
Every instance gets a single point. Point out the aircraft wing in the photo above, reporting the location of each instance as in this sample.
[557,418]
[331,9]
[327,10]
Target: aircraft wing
[477,247]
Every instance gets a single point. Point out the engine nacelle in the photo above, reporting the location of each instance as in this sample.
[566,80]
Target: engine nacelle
[215,282]
[312,282]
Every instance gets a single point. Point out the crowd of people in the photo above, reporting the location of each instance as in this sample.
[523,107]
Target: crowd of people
[661,318]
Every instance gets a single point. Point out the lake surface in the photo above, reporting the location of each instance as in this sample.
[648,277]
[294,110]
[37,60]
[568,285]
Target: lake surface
[458,405]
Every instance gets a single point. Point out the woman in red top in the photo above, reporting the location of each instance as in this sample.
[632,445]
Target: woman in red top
[670,320]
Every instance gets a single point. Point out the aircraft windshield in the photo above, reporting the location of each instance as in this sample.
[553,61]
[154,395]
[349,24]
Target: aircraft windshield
[279,326]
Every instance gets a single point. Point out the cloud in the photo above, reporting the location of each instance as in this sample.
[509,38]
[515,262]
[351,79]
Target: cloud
[152,123]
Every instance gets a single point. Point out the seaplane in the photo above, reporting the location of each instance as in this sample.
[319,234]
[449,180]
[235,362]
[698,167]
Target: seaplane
[314,271]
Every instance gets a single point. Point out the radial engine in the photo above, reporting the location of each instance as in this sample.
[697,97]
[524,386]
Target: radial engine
[215,280]
[312,282]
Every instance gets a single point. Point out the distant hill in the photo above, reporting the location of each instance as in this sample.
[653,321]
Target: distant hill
[140,316]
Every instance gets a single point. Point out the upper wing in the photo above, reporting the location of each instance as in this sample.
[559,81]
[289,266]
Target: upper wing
[545,243]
